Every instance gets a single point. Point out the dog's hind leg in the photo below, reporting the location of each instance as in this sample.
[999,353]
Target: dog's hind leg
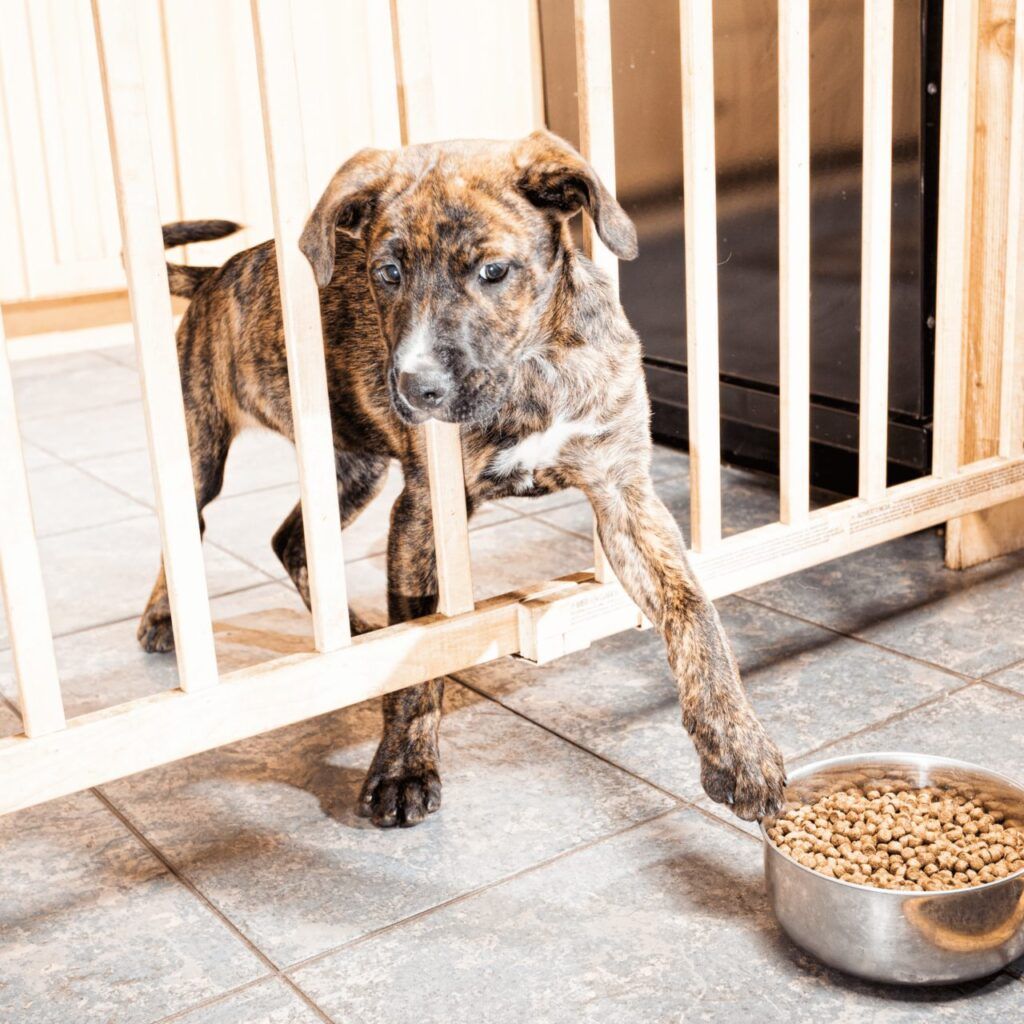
[403,784]
[210,437]
[360,478]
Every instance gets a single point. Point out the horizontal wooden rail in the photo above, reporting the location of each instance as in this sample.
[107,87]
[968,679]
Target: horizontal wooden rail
[303,335]
[541,621]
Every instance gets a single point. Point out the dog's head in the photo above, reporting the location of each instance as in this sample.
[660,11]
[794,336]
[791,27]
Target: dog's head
[464,243]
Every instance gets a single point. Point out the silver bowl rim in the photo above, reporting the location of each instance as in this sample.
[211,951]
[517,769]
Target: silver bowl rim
[910,758]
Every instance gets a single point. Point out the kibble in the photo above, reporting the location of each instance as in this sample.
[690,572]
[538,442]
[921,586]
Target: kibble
[891,836]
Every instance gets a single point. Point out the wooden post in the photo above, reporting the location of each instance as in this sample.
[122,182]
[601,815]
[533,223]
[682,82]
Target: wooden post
[28,621]
[597,144]
[993,269]
[794,261]
[876,221]
[131,155]
[701,226]
[300,309]
[413,71]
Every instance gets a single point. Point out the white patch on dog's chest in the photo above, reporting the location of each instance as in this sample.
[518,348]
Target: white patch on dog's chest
[540,450]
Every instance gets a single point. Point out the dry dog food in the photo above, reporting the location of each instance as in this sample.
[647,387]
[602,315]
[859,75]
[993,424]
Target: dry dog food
[901,838]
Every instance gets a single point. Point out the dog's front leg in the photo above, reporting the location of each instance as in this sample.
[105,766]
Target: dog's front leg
[403,784]
[739,763]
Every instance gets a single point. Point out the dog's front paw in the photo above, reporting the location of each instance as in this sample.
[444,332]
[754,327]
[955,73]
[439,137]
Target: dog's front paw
[155,633]
[399,795]
[747,773]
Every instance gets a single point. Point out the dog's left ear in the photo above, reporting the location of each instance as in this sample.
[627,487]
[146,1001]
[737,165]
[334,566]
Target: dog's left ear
[555,178]
[346,205]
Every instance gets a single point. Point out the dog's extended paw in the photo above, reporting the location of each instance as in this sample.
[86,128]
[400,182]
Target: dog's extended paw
[404,799]
[155,633]
[749,775]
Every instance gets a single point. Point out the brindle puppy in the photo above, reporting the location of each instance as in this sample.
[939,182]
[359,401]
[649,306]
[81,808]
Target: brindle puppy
[451,288]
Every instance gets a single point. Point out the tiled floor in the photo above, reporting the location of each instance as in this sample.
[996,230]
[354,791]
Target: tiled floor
[575,872]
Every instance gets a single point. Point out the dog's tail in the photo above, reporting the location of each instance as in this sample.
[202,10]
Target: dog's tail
[185,280]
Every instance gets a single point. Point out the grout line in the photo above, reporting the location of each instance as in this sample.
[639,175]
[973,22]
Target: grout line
[999,688]
[212,1000]
[569,740]
[965,677]
[235,930]
[882,722]
[683,801]
[472,893]
[141,514]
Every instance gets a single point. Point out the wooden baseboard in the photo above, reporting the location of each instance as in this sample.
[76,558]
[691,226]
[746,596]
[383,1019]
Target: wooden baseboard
[27,317]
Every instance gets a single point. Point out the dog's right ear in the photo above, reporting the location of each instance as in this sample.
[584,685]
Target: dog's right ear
[346,205]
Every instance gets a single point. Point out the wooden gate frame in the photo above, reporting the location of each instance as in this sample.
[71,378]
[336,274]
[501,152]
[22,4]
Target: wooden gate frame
[53,757]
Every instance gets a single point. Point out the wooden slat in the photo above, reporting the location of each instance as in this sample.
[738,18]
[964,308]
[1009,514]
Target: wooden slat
[413,72]
[28,621]
[956,144]
[699,202]
[300,307]
[794,260]
[876,222]
[130,149]
[1011,402]
[597,144]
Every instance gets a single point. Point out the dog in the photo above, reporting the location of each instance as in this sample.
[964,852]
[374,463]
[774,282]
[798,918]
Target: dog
[450,288]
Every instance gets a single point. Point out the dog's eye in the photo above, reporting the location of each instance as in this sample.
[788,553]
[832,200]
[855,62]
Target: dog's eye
[492,272]
[389,273]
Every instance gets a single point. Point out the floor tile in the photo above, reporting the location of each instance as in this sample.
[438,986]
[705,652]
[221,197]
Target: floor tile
[64,498]
[57,394]
[57,366]
[266,828]
[258,460]
[665,923]
[105,573]
[105,666]
[618,698]
[83,435]
[978,724]
[94,927]
[269,1002]
[900,594]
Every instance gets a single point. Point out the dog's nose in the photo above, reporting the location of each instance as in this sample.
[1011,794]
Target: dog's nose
[424,391]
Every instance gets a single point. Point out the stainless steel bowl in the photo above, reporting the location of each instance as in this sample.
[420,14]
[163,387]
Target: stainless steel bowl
[910,938]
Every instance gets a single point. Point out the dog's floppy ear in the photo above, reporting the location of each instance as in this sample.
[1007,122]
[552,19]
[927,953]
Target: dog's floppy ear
[555,178]
[346,205]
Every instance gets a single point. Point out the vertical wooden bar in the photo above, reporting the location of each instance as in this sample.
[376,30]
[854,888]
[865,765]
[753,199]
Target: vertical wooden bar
[597,144]
[876,227]
[956,145]
[794,261]
[28,621]
[413,70]
[1011,401]
[300,308]
[131,155]
[700,217]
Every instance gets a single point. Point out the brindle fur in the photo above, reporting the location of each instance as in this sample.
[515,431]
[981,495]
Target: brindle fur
[549,343]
